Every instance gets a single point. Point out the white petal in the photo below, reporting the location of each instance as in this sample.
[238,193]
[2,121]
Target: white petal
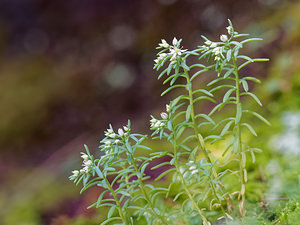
[175,41]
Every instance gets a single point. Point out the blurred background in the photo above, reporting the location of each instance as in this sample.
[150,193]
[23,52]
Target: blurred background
[69,68]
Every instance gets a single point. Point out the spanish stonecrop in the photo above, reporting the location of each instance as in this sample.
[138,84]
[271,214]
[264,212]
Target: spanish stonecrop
[197,174]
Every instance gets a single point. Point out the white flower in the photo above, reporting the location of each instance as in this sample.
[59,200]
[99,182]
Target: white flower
[205,47]
[75,173]
[120,132]
[229,30]
[217,58]
[153,120]
[109,133]
[194,172]
[208,42]
[107,142]
[113,135]
[164,44]
[84,156]
[88,163]
[217,50]
[175,41]
[117,141]
[191,162]
[162,124]
[213,45]
[192,168]
[164,115]
[125,128]
[110,130]
[160,58]
[167,108]
[223,37]
[157,124]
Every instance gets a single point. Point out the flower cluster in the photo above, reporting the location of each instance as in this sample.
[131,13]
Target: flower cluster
[174,51]
[113,138]
[193,168]
[156,124]
[229,30]
[213,46]
[86,167]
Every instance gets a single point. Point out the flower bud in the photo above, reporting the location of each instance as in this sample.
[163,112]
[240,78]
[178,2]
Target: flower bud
[192,168]
[213,45]
[194,172]
[223,37]
[120,132]
[229,30]
[75,173]
[84,156]
[88,163]
[113,135]
[167,108]
[208,42]
[164,115]
[175,41]
[164,44]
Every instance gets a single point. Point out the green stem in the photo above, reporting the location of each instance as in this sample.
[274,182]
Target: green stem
[110,188]
[142,187]
[201,144]
[190,195]
[176,164]
[242,201]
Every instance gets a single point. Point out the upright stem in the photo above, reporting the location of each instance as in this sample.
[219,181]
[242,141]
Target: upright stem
[198,135]
[186,189]
[147,197]
[123,217]
[242,198]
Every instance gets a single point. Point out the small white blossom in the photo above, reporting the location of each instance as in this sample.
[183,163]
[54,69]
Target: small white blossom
[208,42]
[153,120]
[164,44]
[113,135]
[205,47]
[175,51]
[217,50]
[117,141]
[175,41]
[191,162]
[125,128]
[167,108]
[120,132]
[160,58]
[223,37]
[84,156]
[217,58]
[75,173]
[107,142]
[213,45]
[82,171]
[87,163]
[194,172]
[157,124]
[106,152]
[229,30]
[192,168]
[164,115]
[162,124]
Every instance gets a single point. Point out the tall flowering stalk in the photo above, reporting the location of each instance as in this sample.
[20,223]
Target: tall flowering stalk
[196,174]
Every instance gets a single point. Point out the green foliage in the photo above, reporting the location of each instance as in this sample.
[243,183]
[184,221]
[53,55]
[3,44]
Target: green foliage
[203,192]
